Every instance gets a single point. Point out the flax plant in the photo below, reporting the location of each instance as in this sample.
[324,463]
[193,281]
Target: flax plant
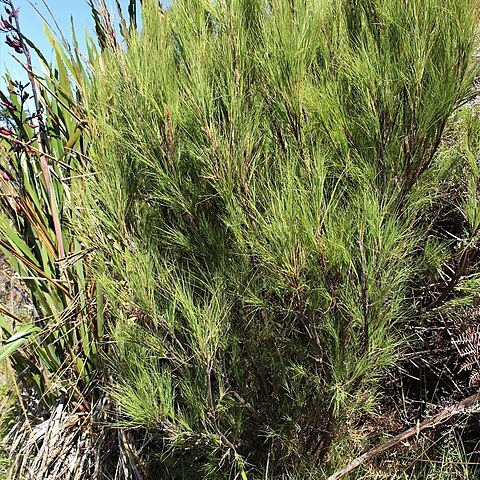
[54,355]
[42,151]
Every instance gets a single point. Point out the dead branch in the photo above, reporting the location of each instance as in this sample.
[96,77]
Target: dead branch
[431,422]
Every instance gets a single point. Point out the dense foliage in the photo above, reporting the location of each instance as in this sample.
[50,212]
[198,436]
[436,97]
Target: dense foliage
[267,211]
[249,233]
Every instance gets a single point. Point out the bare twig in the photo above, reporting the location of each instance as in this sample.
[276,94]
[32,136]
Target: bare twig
[465,261]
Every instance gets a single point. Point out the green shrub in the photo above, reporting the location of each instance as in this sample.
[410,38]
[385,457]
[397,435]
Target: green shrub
[261,213]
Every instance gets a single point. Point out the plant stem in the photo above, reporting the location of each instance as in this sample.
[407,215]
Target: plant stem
[41,138]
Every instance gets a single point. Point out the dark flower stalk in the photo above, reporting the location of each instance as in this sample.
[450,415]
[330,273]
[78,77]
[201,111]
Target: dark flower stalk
[16,41]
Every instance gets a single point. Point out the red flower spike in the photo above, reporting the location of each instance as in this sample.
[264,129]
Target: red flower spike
[8,105]
[14,43]
[5,25]
[6,132]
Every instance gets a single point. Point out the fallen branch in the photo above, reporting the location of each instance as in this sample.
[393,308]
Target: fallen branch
[441,417]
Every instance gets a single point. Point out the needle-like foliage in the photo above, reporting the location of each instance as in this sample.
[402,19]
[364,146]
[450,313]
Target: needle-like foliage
[266,174]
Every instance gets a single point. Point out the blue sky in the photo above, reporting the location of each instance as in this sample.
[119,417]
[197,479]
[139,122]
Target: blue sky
[32,26]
